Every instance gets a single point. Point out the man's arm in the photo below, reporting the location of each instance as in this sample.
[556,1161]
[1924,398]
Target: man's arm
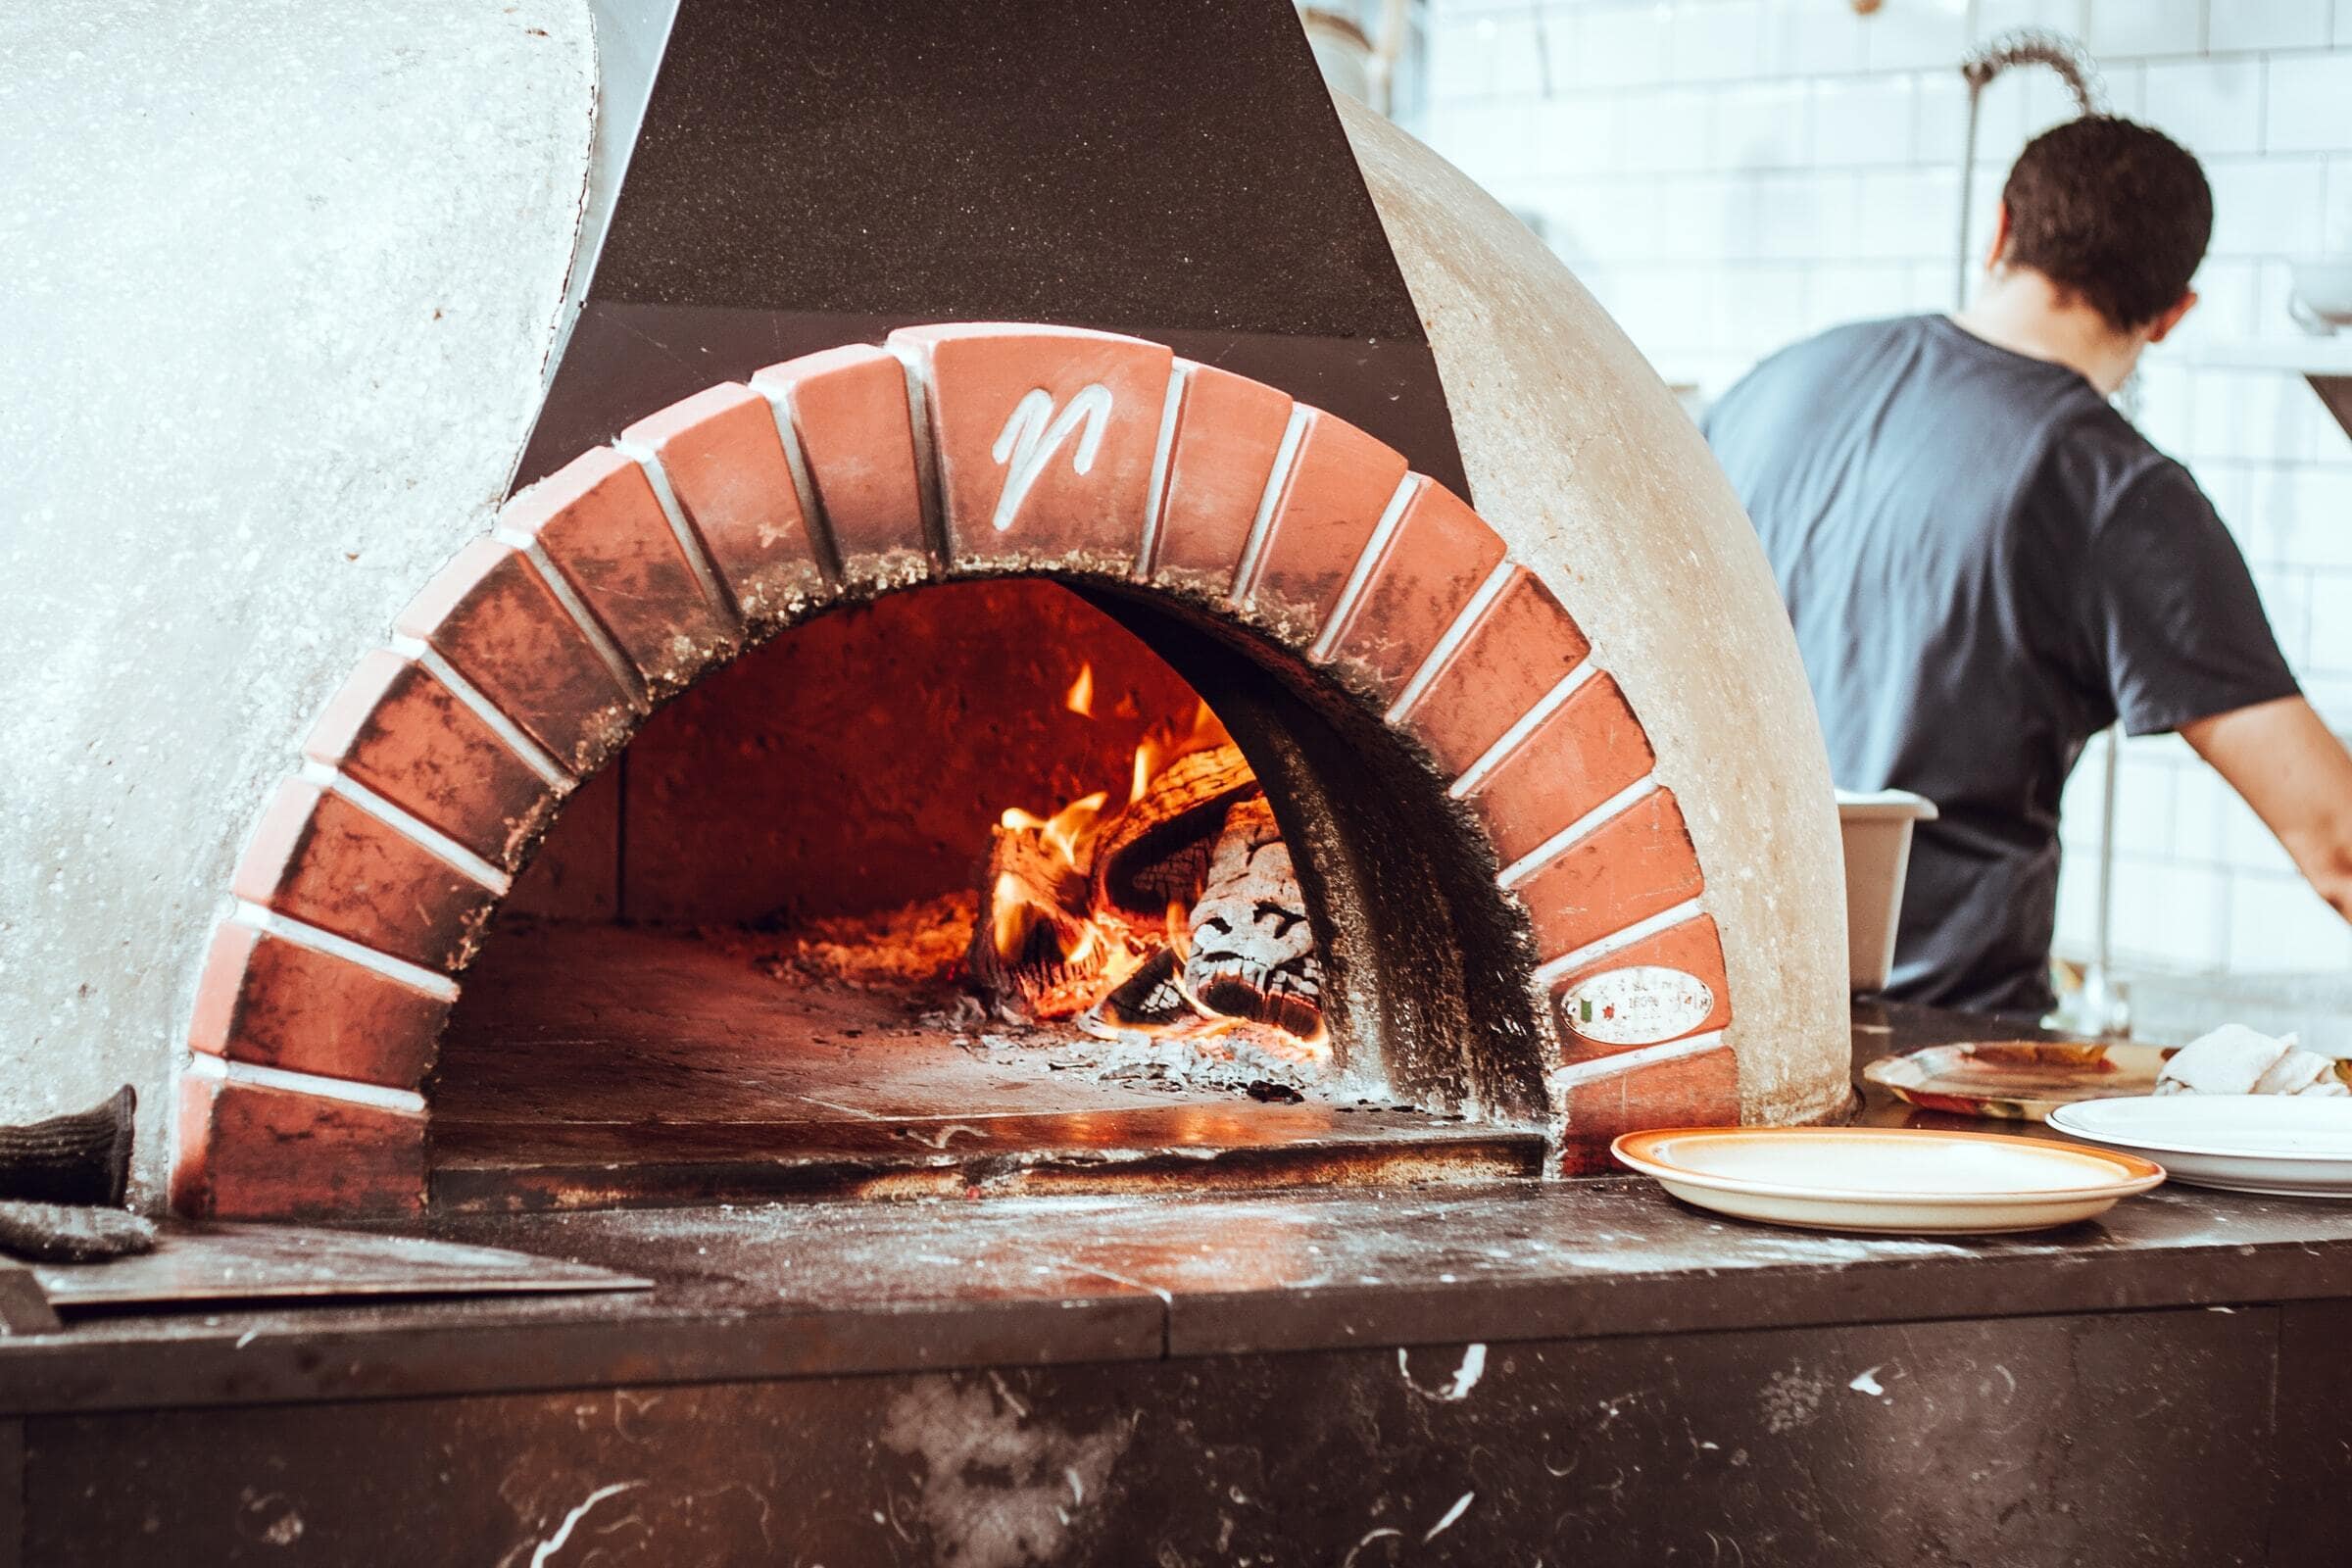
[2297,776]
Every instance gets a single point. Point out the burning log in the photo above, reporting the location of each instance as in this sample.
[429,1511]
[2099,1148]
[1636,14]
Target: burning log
[1155,853]
[1178,915]
[1034,953]
[1253,950]
[1150,1001]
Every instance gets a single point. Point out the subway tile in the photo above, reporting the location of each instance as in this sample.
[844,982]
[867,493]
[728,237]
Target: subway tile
[2286,601]
[2077,904]
[2343,25]
[2000,122]
[1519,68]
[2337,224]
[1607,219]
[1864,121]
[1563,40]
[1620,45]
[2266,206]
[1762,125]
[1861,292]
[2080,817]
[2162,746]
[1718,42]
[2171,914]
[2228,484]
[2127,87]
[1696,225]
[2207,106]
[1573,134]
[1488,141]
[1910,215]
[2268,24]
[1996,17]
[2313,528]
[2166,407]
[1813,36]
[2258,417]
[2126,27]
[2229,297]
[2202,801]
[1764,308]
[2277,925]
[2144,795]
[2328,647]
[2246,844]
[1665,130]
[1983,213]
[1461,56]
[2331,696]
[1939,105]
[1787,216]
[1916,36]
[2310,104]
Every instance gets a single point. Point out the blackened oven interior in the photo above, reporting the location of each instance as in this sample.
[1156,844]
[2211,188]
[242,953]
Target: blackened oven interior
[855,765]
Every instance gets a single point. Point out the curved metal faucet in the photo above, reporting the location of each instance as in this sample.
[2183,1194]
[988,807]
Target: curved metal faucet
[2018,46]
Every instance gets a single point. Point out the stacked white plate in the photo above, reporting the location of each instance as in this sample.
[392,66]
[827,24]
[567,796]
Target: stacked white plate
[2289,1145]
[1886,1179]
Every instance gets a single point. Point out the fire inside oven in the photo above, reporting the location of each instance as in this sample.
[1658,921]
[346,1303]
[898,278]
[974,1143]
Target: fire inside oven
[965,889]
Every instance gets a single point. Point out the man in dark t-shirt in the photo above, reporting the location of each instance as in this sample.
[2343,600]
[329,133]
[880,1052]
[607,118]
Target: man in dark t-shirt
[1987,564]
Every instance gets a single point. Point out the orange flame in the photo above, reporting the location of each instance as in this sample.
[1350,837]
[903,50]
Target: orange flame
[1108,946]
[1180,930]
[1165,744]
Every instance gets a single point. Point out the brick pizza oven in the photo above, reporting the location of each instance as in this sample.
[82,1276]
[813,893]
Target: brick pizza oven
[1458,579]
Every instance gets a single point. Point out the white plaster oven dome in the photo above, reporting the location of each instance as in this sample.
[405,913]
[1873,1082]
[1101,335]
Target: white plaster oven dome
[324,419]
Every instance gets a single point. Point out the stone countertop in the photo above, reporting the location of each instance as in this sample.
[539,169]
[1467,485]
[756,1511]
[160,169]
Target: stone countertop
[803,1289]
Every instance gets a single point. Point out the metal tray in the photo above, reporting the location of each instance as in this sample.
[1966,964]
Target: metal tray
[2017,1080]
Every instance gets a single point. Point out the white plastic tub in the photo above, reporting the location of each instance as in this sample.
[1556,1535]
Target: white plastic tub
[1876,833]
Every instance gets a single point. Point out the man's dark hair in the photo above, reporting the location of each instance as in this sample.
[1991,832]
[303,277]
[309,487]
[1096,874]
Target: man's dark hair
[2111,212]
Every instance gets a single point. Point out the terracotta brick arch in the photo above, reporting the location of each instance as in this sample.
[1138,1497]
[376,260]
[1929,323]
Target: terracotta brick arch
[951,450]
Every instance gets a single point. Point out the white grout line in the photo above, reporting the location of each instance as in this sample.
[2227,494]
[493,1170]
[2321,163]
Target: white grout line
[556,775]
[1155,497]
[416,977]
[416,831]
[1581,1072]
[690,543]
[930,479]
[624,674]
[1521,728]
[1591,822]
[821,543]
[1254,548]
[404,1101]
[1442,653]
[1367,562]
[1617,941]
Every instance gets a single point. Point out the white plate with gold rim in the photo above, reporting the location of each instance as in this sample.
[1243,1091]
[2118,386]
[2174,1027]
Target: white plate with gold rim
[2294,1145]
[1888,1180]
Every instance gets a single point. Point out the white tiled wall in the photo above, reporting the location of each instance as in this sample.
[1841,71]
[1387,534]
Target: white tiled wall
[1728,176]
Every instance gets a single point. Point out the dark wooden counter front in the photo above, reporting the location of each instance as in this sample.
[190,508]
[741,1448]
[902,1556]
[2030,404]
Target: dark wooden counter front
[1580,1373]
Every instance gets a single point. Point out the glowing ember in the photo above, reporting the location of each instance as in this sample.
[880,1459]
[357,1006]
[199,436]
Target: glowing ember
[1081,698]
[1176,916]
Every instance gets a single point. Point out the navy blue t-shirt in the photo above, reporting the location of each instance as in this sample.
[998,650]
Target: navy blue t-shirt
[1985,565]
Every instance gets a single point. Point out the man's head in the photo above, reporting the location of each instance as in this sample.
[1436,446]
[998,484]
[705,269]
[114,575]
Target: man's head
[2115,214]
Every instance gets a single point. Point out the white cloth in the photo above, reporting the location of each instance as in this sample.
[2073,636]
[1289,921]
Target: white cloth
[2235,1059]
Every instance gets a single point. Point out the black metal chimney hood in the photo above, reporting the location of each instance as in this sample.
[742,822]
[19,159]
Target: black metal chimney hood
[808,175]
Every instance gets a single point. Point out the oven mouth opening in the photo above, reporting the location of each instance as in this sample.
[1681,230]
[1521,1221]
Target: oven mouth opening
[752,961]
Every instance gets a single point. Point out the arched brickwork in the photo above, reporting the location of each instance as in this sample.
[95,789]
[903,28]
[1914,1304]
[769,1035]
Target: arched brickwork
[959,450]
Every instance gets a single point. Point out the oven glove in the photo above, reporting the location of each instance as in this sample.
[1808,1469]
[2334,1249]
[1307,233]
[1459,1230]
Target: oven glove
[72,1233]
[81,1158]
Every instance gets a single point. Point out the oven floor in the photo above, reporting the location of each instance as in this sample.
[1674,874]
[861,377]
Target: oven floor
[594,1065]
